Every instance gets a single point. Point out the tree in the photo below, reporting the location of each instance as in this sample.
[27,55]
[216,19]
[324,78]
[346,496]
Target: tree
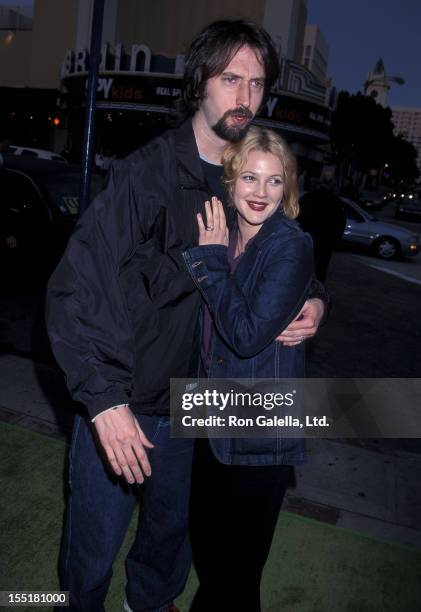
[402,161]
[363,141]
[361,131]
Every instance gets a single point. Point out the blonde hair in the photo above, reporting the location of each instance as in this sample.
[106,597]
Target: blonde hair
[260,139]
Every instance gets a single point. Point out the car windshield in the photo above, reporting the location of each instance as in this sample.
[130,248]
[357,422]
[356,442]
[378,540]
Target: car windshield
[64,192]
[362,212]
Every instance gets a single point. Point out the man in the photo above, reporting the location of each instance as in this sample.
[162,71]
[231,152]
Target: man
[122,318]
[322,215]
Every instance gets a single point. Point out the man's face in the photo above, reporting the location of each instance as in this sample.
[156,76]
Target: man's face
[232,98]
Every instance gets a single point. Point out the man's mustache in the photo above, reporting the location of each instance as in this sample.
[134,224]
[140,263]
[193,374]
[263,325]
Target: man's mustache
[238,112]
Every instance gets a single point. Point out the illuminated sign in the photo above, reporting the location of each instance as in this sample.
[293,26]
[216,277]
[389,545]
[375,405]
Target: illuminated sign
[293,78]
[157,93]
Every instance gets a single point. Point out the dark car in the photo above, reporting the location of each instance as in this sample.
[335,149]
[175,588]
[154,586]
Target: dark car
[39,205]
[373,200]
[408,206]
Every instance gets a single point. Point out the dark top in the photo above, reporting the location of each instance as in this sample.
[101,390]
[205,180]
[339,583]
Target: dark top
[213,176]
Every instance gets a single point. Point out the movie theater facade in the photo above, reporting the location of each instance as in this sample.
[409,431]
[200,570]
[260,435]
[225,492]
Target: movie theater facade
[137,97]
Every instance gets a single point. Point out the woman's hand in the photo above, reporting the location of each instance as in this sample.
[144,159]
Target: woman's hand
[215,231]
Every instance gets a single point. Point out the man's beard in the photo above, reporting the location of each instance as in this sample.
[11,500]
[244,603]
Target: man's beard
[232,133]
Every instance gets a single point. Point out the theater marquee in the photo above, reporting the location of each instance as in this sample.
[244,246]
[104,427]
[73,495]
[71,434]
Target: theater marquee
[142,81]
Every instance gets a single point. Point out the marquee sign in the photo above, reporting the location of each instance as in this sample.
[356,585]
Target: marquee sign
[293,78]
[158,93]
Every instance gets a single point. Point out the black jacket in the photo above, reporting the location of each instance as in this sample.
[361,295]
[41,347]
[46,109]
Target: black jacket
[121,307]
[122,310]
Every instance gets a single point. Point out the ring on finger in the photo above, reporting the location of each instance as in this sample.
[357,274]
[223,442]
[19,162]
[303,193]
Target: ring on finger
[209,228]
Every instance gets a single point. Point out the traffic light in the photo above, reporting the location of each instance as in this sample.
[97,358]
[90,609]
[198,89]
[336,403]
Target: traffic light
[57,120]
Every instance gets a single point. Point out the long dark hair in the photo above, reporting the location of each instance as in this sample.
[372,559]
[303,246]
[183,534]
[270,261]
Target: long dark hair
[213,49]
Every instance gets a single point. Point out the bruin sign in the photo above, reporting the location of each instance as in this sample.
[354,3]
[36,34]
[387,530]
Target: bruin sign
[115,59]
[293,78]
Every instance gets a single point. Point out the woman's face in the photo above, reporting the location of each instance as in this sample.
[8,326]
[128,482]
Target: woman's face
[258,190]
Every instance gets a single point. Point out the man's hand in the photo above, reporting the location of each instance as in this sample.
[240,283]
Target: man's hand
[305,325]
[124,443]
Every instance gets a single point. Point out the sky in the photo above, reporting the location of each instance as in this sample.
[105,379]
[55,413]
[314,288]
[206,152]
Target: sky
[359,32]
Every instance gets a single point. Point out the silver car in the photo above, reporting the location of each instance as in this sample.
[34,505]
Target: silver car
[384,239]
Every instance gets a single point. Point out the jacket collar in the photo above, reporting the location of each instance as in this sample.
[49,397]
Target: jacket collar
[270,227]
[189,168]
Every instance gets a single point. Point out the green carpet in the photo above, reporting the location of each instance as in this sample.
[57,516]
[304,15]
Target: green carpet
[313,567]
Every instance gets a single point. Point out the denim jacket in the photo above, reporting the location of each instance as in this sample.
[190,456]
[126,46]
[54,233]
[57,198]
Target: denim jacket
[249,309]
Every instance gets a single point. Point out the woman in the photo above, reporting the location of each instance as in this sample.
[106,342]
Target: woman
[254,281]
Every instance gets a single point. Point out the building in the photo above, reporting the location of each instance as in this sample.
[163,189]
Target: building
[15,47]
[20,118]
[377,85]
[315,52]
[286,22]
[407,122]
[57,26]
[15,18]
[143,46]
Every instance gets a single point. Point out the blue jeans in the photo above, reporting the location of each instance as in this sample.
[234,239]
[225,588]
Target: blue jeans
[99,510]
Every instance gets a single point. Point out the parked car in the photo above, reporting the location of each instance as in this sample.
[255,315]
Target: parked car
[408,206]
[385,240]
[39,206]
[35,153]
[372,200]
